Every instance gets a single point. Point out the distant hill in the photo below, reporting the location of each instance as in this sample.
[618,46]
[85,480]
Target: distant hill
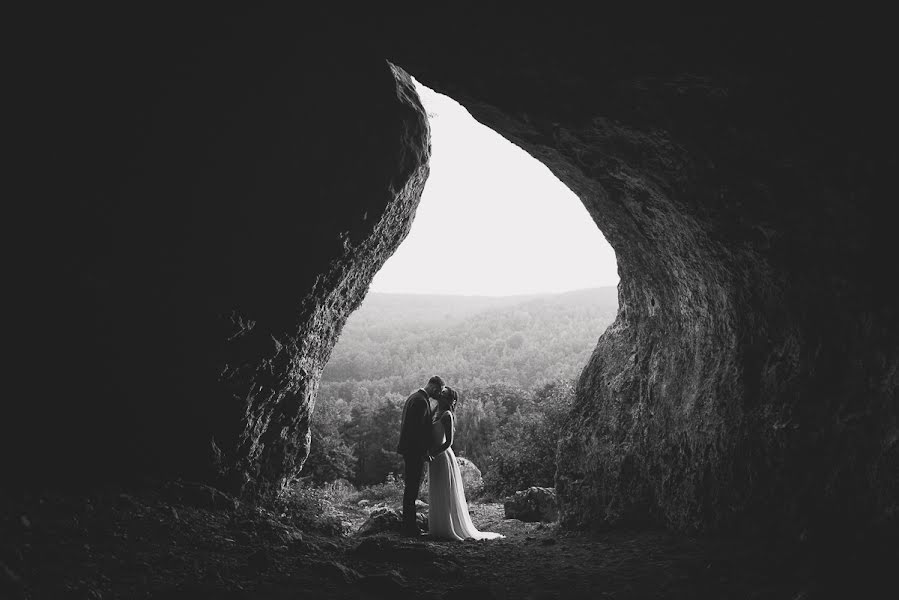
[389,309]
[394,342]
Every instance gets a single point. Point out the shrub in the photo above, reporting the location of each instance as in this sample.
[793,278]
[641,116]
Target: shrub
[525,455]
[389,492]
[310,509]
[330,457]
[472,481]
[339,491]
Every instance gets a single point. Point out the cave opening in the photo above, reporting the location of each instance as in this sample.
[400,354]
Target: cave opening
[222,202]
[509,281]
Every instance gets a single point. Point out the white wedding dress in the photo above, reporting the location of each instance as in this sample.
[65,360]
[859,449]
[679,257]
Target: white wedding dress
[448,516]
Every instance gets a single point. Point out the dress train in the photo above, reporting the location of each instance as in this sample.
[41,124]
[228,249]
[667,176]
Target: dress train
[448,516]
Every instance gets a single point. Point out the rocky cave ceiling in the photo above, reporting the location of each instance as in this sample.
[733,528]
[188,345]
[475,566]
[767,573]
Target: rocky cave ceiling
[223,191]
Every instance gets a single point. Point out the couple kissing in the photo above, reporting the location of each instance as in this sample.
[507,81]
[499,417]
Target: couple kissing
[426,436]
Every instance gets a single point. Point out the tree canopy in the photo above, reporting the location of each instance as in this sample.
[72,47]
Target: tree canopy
[513,361]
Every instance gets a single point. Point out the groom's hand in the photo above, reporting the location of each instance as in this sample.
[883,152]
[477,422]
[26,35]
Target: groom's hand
[428,457]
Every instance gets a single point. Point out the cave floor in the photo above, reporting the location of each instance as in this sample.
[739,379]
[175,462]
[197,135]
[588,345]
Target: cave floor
[112,544]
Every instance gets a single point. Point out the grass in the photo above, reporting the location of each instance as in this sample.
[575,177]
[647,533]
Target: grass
[312,509]
[333,508]
[389,492]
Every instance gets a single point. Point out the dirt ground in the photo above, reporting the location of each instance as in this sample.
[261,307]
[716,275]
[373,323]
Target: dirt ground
[149,544]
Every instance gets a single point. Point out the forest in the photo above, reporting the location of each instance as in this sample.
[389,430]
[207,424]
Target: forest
[513,360]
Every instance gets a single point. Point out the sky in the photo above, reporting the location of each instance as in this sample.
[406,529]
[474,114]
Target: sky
[493,220]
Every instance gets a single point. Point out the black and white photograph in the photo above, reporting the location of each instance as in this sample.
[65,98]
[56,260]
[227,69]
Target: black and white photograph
[450,301]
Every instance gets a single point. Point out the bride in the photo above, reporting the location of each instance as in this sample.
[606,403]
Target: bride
[448,513]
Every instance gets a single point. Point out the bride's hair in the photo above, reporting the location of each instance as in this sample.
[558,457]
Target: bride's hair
[450,395]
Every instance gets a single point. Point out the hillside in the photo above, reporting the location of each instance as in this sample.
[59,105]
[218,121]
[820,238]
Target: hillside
[394,342]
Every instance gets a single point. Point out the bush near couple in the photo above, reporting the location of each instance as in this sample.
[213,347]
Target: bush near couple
[426,435]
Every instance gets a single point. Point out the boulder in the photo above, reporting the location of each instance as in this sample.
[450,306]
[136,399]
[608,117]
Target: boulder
[532,504]
[388,519]
[472,480]
[471,476]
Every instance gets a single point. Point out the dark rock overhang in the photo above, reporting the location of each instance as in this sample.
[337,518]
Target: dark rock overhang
[218,192]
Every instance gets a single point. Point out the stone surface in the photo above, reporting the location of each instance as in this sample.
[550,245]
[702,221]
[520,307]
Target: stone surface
[387,585]
[472,480]
[10,583]
[337,570]
[205,213]
[385,519]
[532,504]
[198,495]
[395,550]
[259,561]
[749,381]
[229,199]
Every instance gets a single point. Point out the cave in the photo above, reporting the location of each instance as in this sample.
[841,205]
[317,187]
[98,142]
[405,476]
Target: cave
[214,193]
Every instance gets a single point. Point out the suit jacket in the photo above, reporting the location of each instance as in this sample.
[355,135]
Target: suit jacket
[415,430]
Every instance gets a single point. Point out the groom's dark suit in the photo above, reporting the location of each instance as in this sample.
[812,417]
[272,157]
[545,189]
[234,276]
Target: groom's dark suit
[415,441]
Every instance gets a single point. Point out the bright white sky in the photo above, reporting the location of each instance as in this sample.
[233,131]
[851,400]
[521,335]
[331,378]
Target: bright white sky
[493,220]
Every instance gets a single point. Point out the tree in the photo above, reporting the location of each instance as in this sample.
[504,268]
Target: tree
[330,457]
[525,454]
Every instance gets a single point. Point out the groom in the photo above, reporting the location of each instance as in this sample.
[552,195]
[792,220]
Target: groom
[415,440]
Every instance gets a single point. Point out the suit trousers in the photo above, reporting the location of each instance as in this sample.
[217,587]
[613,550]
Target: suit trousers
[414,465]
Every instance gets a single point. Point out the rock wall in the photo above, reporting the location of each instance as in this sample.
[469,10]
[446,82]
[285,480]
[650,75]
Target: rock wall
[740,169]
[214,194]
[218,195]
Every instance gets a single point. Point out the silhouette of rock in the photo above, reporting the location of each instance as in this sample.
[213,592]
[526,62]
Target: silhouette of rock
[756,330]
[219,204]
[250,195]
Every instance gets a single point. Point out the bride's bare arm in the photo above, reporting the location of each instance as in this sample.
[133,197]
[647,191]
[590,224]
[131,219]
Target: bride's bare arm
[449,432]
